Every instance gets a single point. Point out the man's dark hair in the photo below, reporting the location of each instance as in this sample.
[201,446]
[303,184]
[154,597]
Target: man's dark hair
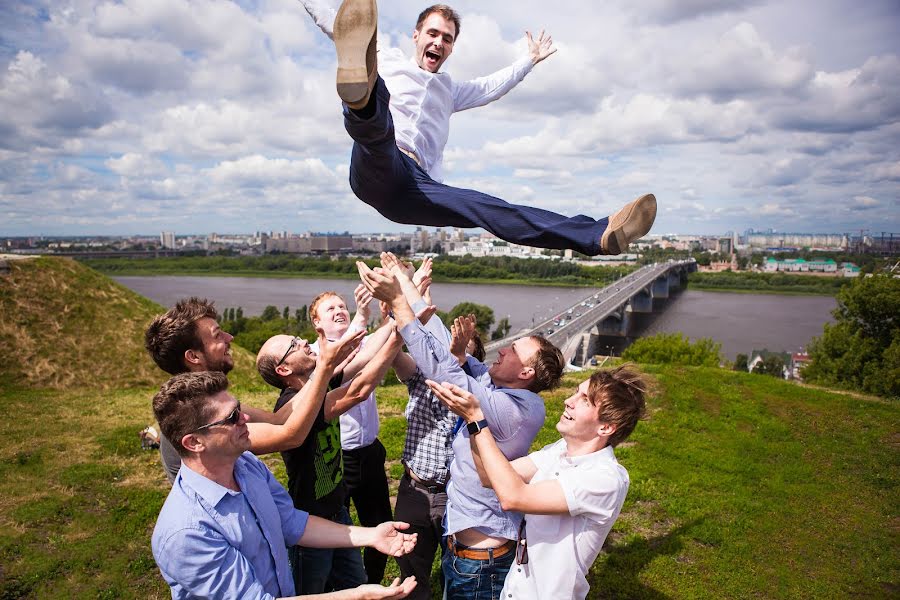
[443,10]
[618,395]
[182,404]
[266,364]
[172,334]
[548,364]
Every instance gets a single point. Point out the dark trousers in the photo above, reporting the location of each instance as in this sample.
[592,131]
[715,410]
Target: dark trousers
[423,509]
[394,185]
[367,486]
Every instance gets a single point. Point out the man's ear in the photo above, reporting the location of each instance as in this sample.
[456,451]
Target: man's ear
[193,357]
[606,429]
[526,373]
[192,443]
[283,370]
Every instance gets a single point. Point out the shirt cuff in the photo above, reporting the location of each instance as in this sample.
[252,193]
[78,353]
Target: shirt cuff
[411,332]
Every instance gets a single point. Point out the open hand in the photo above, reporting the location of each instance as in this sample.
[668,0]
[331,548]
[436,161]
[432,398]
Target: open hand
[540,48]
[332,354]
[461,402]
[389,539]
[397,589]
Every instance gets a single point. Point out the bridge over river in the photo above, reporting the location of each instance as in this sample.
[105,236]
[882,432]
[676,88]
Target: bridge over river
[606,311]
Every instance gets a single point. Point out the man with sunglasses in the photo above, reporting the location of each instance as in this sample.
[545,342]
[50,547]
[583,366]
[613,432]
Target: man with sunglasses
[224,527]
[314,469]
[188,338]
[571,491]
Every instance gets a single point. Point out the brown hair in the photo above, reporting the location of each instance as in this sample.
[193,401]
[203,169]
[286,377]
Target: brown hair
[618,395]
[314,305]
[478,351]
[443,10]
[548,364]
[265,364]
[181,405]
[172,334]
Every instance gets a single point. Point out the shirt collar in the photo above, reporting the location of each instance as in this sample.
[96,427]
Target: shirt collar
[606,454]
[206,488]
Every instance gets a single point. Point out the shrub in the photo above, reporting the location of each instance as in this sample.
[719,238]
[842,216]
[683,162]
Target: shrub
[674,349]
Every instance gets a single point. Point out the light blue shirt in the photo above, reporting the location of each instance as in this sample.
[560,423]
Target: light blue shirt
[514,415]
[212,542]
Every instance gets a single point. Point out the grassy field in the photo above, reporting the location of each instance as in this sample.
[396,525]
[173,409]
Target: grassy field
[743,486]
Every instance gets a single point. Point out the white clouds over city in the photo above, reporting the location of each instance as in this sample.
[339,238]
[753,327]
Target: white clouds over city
[137,116]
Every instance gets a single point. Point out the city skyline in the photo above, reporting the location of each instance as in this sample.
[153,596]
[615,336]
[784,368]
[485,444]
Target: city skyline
[144,116]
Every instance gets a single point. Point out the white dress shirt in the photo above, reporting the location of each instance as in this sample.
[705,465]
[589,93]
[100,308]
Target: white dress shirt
[422,102]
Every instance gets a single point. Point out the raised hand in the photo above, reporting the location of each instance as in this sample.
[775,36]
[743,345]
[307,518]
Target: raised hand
[382,283]
[424,271]
[363,298]
[460,402]
[332,354]
[541,48]
[461,332]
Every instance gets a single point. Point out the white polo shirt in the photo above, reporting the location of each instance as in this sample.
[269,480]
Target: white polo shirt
[562,548]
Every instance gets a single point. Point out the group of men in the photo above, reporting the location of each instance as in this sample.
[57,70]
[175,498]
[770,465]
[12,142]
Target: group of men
[470,488]
[469,485]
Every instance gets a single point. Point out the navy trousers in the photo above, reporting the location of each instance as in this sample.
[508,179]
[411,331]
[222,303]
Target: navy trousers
[394,185]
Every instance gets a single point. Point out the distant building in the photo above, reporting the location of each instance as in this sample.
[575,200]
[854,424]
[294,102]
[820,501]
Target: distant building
[167,239]
[757,356]
[798,240]
[310,243]
[800,265]
[848,269]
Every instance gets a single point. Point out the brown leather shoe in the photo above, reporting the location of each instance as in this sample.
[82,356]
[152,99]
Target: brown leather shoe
[631,223]
[355,32]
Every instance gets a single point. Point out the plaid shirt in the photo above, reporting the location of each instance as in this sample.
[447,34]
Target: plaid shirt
[428,432]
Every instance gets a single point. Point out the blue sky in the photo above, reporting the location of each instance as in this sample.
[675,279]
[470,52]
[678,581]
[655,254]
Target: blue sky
[197,116]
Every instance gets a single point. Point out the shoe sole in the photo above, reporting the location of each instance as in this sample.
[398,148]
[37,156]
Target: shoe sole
[354,32]
[629,224]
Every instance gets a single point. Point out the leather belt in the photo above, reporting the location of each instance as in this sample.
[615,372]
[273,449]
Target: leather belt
[410,154]
[479,553]
[430,486]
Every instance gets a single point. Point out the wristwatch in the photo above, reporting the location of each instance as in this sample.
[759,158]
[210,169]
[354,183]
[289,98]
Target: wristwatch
[475,426]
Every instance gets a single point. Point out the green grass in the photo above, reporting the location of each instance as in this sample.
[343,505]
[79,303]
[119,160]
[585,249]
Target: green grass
[742,486]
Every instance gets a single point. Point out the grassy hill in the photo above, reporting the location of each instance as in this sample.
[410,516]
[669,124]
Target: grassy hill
[65,326]
[743,486]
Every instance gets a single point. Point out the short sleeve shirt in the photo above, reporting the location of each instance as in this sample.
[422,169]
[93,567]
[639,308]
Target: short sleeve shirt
[562,547]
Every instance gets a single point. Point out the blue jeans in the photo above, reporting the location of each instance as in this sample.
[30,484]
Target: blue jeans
[394,185]
[318,570]
[468,579]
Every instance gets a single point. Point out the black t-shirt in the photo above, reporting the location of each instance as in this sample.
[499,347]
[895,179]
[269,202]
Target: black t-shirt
[314,469]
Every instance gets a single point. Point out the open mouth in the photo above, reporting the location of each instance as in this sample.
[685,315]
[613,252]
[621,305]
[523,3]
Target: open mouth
[432,57]
[567,417]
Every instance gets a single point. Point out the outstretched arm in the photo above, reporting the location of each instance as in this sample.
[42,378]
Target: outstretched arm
[322,14]
[267,437]
[339,401]
[483,90]
[509,480]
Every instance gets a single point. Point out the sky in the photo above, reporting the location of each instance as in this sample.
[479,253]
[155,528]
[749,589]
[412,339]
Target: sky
[199,116]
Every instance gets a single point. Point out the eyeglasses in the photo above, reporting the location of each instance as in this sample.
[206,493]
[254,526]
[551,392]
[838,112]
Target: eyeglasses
[295,343]
[522,546]
[232,419]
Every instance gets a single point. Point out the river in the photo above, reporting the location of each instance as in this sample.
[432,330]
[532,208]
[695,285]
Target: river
[740,322]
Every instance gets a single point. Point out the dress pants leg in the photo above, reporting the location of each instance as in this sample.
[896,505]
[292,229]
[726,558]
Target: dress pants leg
[393,184]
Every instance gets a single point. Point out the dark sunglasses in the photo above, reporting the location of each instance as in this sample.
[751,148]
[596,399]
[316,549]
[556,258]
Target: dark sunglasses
[232,419]
[295,343]
[522,546]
